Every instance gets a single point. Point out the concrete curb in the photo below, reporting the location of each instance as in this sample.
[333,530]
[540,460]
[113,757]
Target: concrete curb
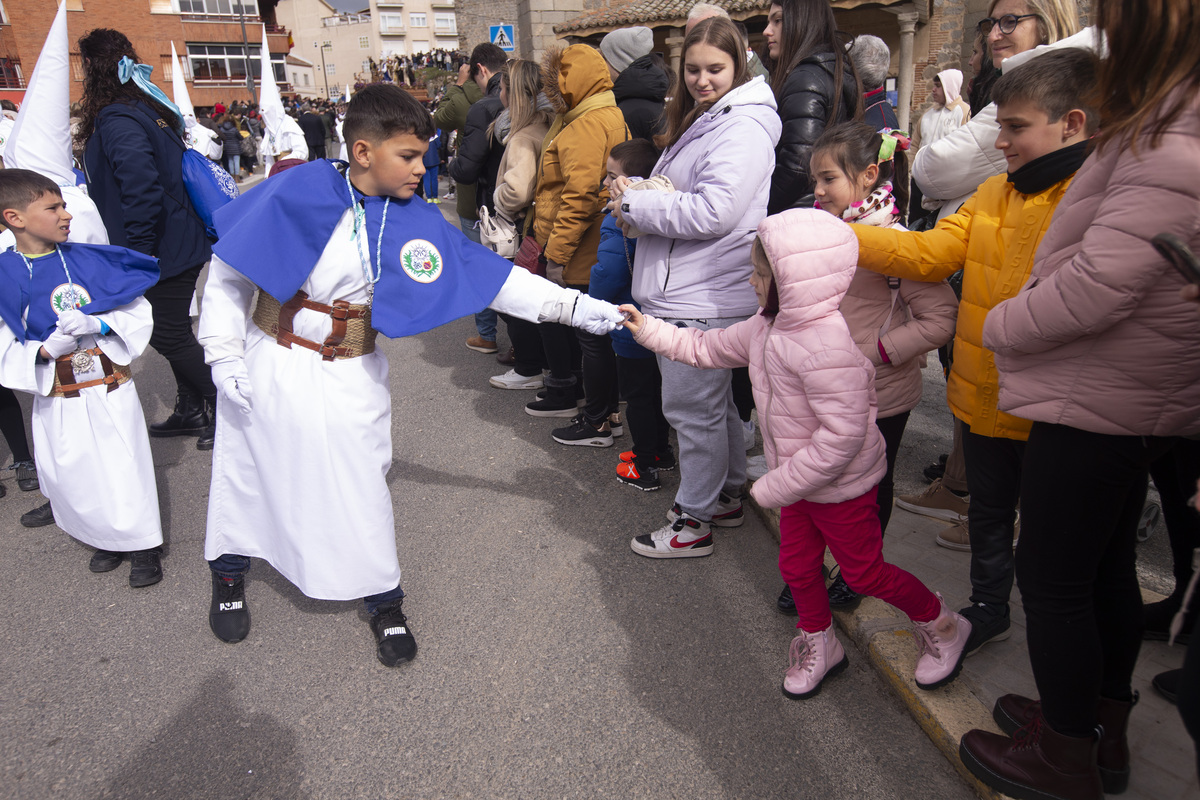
[884,634]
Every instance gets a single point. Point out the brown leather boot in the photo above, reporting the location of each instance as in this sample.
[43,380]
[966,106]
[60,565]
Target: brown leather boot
[1012,711]
[1036,764]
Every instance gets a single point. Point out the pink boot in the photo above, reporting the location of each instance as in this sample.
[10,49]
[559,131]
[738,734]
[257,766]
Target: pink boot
[943,641]
[812,658]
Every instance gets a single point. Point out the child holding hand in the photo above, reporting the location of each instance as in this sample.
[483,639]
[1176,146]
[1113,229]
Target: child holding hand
[815,394]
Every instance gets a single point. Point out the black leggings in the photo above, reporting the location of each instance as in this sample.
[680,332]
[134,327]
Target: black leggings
[12,425]
[892,429]
[1075,566]
[170,302]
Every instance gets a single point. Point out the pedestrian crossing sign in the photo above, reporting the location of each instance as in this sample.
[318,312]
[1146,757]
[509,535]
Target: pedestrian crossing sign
[502,37]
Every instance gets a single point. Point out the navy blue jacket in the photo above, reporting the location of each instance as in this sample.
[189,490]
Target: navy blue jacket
[134,171]
[612,280]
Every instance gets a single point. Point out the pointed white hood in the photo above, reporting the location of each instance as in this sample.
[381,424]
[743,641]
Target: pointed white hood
[270,103]
[41,138]
[199,138]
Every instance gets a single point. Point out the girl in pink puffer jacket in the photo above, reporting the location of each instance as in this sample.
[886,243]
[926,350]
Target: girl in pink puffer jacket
[815,394]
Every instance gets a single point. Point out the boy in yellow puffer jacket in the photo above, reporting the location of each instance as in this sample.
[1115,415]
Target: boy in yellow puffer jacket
[1044,129]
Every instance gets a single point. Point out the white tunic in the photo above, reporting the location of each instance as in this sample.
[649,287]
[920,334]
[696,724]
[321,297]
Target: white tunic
[300,481]
[92,452]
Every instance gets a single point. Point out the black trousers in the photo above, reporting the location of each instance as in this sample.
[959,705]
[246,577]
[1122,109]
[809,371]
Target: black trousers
[526,344]
[12,425]
[994,475]
[641,385]
[892,429]
[170,302]
[600,390]
[1081,498]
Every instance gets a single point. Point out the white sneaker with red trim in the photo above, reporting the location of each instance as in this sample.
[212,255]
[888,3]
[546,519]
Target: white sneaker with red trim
[686,537]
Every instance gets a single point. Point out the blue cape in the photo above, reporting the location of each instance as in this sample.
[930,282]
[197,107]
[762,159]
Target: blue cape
[431,273]
[111,276]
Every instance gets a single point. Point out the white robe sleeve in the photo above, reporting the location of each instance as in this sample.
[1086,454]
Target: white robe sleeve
[534,299]
[226,312]
[20,367]
[131,326]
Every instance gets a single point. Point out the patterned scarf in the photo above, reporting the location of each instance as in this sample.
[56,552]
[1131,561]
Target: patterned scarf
[878,209]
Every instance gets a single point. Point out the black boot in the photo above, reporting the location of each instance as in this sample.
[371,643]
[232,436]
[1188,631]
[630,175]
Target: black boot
[188,418]
[208,439]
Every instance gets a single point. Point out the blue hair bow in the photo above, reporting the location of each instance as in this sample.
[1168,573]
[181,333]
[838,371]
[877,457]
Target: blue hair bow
[140,73]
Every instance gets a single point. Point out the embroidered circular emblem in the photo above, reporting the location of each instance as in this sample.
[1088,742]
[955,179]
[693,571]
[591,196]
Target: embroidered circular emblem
[421,261]
[60,298]
[224,180]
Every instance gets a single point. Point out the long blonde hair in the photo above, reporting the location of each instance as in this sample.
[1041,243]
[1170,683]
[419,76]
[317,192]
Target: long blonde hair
[523,82]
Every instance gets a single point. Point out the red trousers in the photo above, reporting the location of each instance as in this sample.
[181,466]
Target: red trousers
[851,531]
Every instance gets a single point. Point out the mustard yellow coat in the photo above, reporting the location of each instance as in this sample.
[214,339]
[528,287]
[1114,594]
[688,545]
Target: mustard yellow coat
[993,239]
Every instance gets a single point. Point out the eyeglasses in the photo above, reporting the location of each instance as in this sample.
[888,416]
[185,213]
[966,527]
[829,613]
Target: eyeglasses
[1008,23]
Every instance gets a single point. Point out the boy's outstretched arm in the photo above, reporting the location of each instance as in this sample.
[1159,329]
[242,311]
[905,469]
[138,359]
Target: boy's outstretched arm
[535,299]
[926,256]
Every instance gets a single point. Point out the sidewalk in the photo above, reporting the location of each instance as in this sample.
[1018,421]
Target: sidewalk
[1163,754]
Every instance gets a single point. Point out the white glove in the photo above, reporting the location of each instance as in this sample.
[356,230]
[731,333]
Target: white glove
[77,323]
[233,381]
[597,317]
[59,344]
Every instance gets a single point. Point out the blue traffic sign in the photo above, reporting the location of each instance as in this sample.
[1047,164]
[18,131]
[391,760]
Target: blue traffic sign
[502,37]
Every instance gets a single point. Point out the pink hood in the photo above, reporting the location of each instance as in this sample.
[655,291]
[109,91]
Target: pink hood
[813,387]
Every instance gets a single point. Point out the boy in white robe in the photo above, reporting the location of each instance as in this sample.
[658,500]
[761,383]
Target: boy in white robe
[335,253]
[72,319]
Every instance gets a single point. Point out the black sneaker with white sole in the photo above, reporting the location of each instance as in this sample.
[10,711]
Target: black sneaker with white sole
[989,623]
[229,616]
[393,636]
[582,432]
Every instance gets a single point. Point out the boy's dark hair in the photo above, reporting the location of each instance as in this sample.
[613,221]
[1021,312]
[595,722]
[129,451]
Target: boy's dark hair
[20,187]
[490,55]
[8,105]
[855,147]
[383,110]
[1056,83]
[637,157]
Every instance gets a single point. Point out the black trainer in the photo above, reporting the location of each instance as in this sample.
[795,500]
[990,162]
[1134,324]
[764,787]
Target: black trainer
[1167,684]
[554,404]
[188,418]
[229,616]
[145,567]
[105,561]
[989,623]
[935,471]
[582,432]
[1157,621]
[644,478]
[42,515]
[786,603]
[393,635]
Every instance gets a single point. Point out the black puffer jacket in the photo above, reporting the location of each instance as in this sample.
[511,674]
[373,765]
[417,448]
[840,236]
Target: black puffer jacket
[804,107]
[641,91]
[478,158]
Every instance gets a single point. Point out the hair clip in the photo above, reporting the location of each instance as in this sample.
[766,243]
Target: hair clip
[892,140]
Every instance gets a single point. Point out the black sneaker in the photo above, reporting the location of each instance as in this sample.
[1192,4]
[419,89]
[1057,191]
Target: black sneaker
[1167,684]
[393,635]
[989,623]
[145,567]
[581,432]
[27,479]
[552,405]
[786,603]
[229,616]
[42,515]
[644,478]
[935,471]
[105,561]
[841,596]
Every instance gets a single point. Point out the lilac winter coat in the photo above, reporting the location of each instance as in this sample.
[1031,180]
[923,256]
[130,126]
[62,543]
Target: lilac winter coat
[1098,338]
[694,260]
[814,389]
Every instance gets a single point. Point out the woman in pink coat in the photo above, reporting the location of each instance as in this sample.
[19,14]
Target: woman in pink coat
[1100,352]
[815,394]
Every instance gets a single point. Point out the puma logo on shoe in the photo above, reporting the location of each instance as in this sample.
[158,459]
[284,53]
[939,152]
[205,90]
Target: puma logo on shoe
[234,606]
[398,631]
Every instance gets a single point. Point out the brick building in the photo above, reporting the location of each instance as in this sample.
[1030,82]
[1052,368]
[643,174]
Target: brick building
[208,35]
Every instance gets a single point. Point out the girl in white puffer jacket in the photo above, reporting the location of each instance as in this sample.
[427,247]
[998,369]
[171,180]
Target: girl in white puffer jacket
[815,394]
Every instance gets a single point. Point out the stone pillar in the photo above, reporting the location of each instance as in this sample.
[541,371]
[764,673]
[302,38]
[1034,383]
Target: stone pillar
[908,27]
[674,42]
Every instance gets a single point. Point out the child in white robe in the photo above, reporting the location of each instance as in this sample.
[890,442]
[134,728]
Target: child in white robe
[72,319]
[335,254]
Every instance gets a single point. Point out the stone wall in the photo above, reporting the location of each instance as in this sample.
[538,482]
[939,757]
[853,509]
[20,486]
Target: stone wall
[475,17]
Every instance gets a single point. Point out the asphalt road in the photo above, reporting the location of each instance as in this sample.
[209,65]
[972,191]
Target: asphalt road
[553,661]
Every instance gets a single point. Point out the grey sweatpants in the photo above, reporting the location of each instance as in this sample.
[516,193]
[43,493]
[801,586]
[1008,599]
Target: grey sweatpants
[699,405]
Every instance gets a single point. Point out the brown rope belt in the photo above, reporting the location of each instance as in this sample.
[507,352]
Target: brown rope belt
[352,335]
[64,375]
